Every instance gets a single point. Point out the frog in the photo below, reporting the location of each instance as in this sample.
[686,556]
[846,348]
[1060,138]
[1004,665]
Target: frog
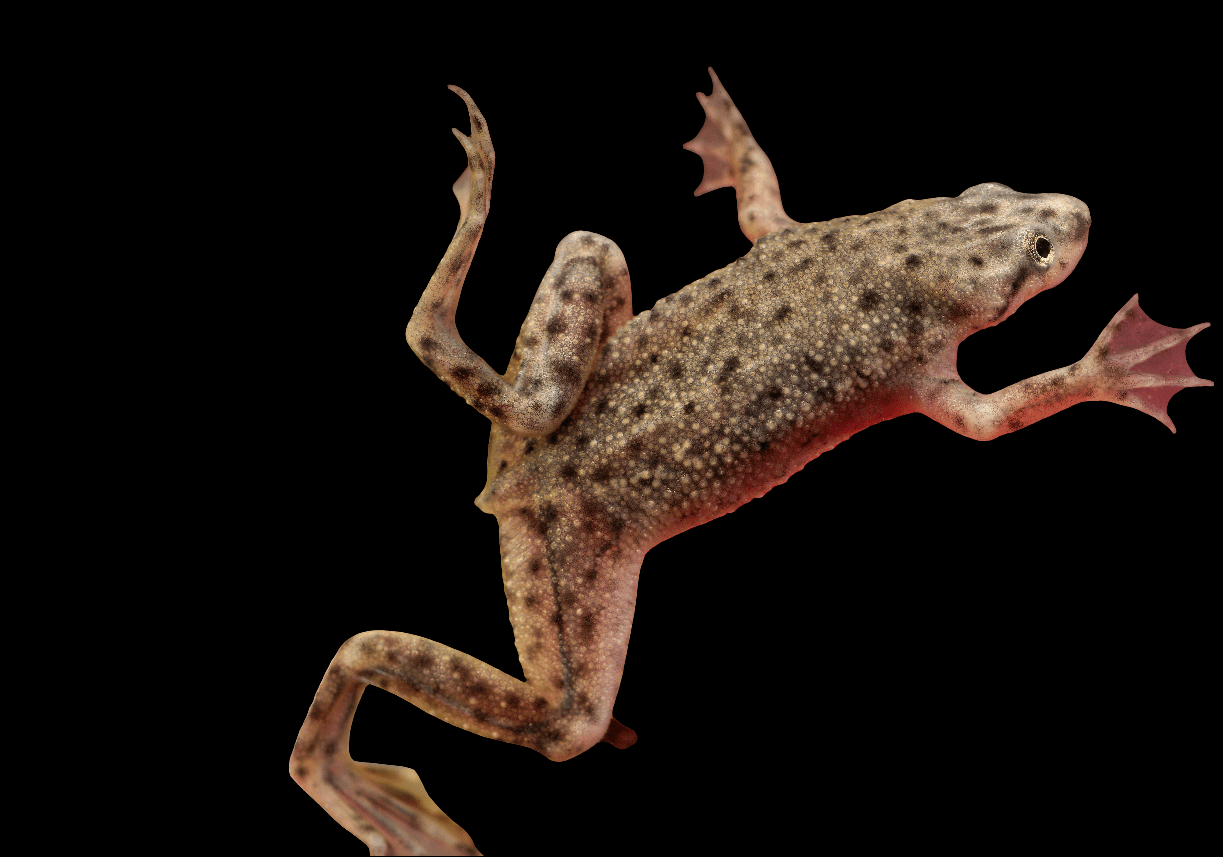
[613,431]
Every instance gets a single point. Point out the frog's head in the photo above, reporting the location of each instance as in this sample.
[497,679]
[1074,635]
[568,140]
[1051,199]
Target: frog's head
[1010,246]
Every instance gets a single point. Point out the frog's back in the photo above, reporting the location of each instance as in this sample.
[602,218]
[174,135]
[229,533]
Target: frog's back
[726,388]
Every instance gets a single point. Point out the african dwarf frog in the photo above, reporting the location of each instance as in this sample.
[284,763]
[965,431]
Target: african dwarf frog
[612,432]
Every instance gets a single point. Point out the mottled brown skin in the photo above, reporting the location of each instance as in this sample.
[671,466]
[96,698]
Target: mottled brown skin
[612,432]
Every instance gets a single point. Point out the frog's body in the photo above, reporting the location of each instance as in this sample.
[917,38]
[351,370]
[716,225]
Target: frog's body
[612,432]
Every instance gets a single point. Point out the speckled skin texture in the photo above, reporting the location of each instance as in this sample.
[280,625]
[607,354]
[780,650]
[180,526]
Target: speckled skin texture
[612,432]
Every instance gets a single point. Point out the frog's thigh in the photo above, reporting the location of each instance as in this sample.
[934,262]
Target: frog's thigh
[584,297]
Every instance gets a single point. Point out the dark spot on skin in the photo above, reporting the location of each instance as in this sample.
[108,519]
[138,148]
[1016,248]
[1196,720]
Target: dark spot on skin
[586,627]
[460,670]
[773,392]
[461,373]
[529,448]
[529,602]
[591,508]
[581,441]
[689,408]
[601,473]
[959,311]
[913,308]
[504,464]
[675,369]
[769,276]
[535,565]
[887,345]
[495,411]
[639,410]
[554,437]
[567,370]
[731,364]
[829,239]
[547,515]
[868,300]
[912,260]
[783,312]
[600,406]
[486,390]
[802,265]
[988,207]
[555,325]
[568,471]
[1081,225]
[1047,214]
[977,260]
[716,301]
[427,343]
[811,363]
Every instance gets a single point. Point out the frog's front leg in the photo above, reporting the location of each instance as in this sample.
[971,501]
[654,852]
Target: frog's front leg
[585,296]
[732,158]
[1134,362]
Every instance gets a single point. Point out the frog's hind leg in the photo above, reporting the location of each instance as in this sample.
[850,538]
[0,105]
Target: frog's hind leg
[733,158]
[571,588]
[585,296]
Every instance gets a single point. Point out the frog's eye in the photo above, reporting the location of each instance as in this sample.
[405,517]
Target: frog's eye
[1038,247]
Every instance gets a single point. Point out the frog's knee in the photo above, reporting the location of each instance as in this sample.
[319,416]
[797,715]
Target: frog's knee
[582,242]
